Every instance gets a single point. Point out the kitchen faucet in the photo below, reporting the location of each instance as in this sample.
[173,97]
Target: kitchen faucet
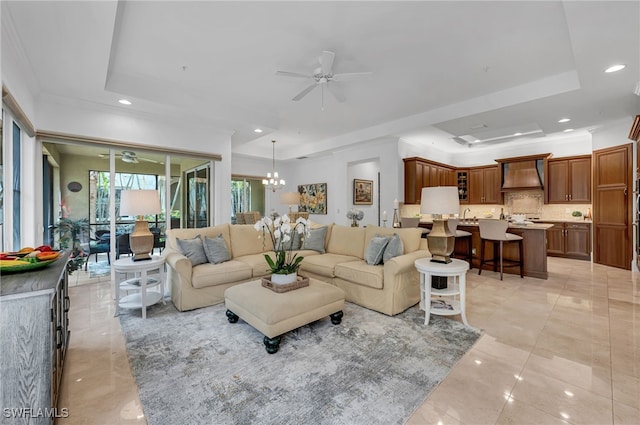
[464,214]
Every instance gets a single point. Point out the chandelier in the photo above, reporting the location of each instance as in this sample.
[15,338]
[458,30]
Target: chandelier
[272,181]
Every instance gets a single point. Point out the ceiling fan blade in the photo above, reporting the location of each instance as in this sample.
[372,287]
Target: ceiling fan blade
[350,76]
[304,92]
[327,62]
[149,160]
[293,74]
[335,91]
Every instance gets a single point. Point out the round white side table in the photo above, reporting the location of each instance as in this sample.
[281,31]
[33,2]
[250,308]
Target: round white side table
[445,302]
[147,274]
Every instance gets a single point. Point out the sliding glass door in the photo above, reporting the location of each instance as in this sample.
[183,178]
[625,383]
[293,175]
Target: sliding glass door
[197,199]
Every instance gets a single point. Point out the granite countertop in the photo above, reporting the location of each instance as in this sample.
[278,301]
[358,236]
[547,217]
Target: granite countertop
[527,225]
[558,220]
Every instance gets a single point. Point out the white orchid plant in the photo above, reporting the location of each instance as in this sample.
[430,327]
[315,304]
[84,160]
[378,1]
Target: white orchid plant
[281,232]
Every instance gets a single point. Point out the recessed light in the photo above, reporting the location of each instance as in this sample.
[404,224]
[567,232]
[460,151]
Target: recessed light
[517,134]
[615,68]
[568,130]
[257,130]
[564,120]
[124,102]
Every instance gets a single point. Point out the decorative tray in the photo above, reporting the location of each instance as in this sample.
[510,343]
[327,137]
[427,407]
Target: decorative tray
[300,283]
[22,266]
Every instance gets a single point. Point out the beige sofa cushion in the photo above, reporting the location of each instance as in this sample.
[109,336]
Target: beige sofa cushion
[324,265]
[257,263]
[410,236]
[361,273]
[246,240]
[211,232]
[217,274]
[347,241]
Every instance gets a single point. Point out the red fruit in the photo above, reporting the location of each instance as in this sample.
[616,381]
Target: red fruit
[44,248]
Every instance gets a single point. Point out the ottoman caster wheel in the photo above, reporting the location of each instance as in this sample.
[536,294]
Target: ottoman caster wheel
[272,344]
[232,317]
[336,318]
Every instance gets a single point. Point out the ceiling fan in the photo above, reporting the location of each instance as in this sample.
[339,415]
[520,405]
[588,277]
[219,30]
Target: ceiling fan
[129,156]
[323,76]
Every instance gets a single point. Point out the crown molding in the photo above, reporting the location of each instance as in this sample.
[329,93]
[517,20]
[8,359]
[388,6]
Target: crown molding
[52,136]
[19,116]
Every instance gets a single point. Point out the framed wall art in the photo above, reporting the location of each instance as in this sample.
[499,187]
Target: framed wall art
[313,198]
[362,192]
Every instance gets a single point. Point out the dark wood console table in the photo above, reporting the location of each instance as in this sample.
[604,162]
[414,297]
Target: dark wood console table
[34,336]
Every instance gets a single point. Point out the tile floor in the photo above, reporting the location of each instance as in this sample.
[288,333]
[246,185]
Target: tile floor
[562,350]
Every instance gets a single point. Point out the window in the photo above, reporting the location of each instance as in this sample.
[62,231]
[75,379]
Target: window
[17,170]
[99,183]
[197,199]
[247,194]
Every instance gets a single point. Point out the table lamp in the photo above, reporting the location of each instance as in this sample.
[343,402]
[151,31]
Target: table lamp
[140,203]
[290,198]
[437,201]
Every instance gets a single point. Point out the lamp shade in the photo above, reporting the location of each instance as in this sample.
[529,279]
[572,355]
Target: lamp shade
[289,198]
[440,200]
[139,202]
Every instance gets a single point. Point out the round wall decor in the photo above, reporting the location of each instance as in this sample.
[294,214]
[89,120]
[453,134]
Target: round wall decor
[74,186]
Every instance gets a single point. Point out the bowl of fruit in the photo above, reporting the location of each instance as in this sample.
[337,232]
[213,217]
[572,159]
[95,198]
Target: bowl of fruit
[27,259]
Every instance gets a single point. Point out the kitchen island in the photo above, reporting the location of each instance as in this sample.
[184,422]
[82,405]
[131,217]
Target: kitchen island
[534,238]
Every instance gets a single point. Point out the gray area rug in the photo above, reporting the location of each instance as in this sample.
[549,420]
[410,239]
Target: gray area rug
[197,368]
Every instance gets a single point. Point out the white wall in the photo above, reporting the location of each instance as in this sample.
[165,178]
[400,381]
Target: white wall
[365,170]
[615,135]
[259,167]
[429,151]
[337,169]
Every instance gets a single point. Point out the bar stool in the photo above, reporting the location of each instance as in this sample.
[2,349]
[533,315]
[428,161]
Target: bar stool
[414,222]
[495,231]
[453,228]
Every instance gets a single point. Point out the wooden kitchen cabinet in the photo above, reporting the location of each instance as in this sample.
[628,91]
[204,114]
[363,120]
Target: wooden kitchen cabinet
[484,185]
[419,173]
[34,336]
[463,186]
[569,240]
[568,180]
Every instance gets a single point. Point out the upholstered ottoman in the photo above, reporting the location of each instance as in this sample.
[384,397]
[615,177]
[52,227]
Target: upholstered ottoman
[274,314]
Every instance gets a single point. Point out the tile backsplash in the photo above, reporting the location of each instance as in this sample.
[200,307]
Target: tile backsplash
[531,207]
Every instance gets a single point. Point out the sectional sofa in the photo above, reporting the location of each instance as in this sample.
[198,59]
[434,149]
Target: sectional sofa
[389,288]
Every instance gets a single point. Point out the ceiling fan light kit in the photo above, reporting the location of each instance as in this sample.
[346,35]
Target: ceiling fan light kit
[324,76]
[130,157]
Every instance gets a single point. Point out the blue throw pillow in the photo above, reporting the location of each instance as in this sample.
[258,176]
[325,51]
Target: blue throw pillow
[394,248]
[216,249]
[315,241]
[193,250]
[375,250]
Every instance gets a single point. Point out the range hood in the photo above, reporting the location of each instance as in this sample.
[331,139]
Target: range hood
[524,173]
